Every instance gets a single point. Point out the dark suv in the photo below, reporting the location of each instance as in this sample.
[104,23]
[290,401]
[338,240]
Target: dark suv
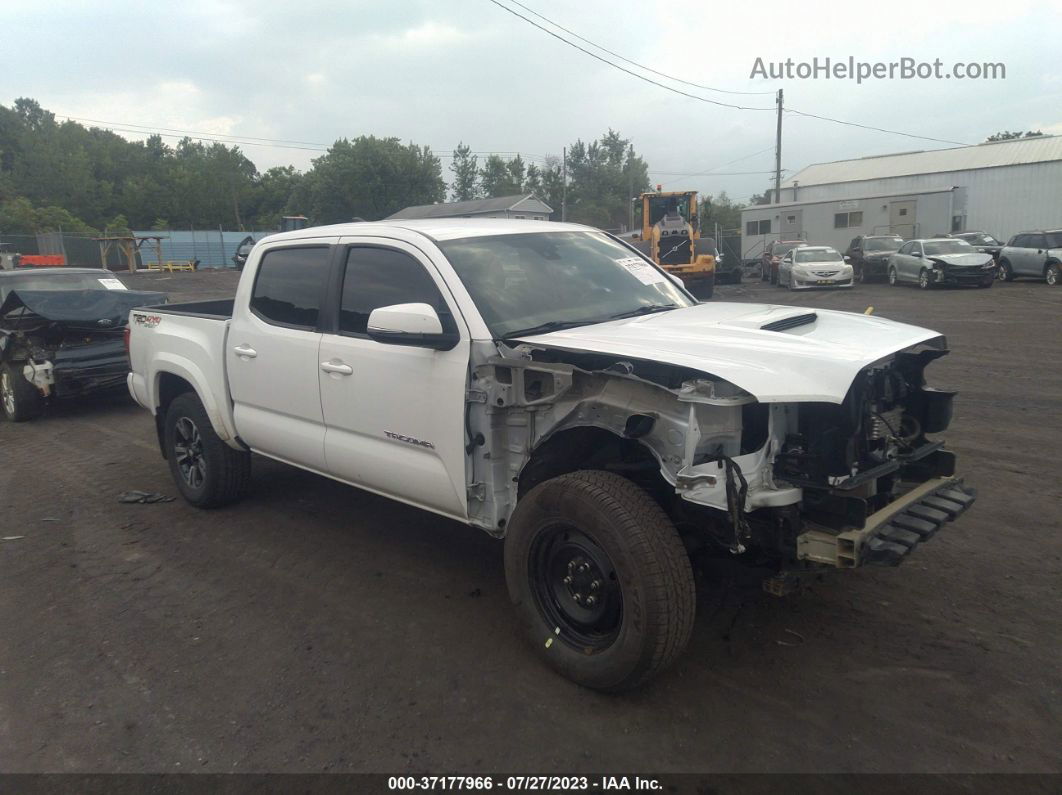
[772,255]
[982,241]
[869,255]
[1037,254]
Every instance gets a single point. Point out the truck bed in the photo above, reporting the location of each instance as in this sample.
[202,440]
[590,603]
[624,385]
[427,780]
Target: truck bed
[219,309]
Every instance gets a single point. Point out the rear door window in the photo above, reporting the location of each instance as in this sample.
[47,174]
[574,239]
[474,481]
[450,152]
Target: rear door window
[289,286]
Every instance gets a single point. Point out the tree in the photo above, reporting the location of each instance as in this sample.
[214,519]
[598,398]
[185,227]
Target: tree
[495,179]
[720,210]
[465,169]
[603,177]
[533,180]
[372,178]
[1006,135]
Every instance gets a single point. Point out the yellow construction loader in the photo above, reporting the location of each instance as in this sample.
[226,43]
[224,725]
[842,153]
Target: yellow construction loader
[671,237]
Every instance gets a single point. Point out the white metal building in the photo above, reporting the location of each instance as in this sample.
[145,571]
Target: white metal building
[1001,188]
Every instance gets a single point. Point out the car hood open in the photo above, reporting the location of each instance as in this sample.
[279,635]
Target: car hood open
[802,355]
[83,309]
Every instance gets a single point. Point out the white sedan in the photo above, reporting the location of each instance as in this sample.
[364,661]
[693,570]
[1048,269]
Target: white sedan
[814,266]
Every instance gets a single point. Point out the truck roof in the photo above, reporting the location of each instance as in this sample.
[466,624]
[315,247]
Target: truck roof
[435,228]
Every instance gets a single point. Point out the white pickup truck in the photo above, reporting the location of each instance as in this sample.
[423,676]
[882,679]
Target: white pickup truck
[548,384]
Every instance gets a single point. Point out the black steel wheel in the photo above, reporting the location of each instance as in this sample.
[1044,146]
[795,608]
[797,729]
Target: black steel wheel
[208,472]
[600,579]
[575,587]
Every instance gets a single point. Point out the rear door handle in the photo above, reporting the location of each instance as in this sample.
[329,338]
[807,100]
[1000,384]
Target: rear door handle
[337,367]
[245,351]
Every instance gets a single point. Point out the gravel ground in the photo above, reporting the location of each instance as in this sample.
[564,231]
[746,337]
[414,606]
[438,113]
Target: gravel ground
[315,627]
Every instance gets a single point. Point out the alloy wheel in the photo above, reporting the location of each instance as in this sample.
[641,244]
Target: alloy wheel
[7,392]
[188,453]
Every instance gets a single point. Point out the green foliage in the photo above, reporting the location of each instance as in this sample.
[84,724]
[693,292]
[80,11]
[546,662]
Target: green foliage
[98,180]
[466,172]
[18,216]
[1007,135]
[372,178]
[720,210]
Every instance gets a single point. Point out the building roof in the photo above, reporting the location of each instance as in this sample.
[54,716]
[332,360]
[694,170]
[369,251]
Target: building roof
[1019,151]
[473,207]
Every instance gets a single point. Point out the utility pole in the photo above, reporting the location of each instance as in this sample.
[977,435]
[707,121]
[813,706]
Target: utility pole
[564,185]
[778,155]
[630,188]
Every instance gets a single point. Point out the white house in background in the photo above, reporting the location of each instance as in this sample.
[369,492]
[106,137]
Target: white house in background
[525,206]
[1001,188]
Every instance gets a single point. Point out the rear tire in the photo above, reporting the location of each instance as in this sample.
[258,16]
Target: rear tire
[600,579]
[20,399]
[702,289]
[1053,275]
[1006,273]
[208,473]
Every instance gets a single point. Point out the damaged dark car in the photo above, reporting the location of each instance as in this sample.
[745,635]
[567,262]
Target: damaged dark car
[62,335]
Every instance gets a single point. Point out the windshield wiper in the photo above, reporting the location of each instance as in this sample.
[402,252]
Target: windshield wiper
[643,310]
[551,325]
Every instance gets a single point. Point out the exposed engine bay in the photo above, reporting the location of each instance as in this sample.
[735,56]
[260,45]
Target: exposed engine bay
[68,343]
[734,473]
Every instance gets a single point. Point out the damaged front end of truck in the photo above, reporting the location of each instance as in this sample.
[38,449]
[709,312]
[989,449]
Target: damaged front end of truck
[803,477]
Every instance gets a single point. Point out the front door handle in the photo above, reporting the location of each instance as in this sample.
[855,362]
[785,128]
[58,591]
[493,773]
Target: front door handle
[337,367]
[245,351]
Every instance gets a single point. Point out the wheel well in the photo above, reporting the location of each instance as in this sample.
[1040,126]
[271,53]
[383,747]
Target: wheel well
[594,448]
[1049,263]
[170,386]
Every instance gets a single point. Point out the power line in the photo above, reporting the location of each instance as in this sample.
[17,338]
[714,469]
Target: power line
[628,60]
[712,171]
[876,129]
[624,69]
[705,99]
[708,173]
[251,140]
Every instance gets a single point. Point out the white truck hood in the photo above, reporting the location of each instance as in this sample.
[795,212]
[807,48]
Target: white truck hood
[814,361]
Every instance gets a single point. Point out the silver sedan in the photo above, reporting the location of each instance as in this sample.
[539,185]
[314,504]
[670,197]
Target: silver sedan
[814,266]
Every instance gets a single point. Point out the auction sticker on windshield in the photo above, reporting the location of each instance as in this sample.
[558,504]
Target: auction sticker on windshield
[642,270]
[112,284]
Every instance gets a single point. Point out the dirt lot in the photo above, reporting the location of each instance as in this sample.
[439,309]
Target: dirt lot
[318,628]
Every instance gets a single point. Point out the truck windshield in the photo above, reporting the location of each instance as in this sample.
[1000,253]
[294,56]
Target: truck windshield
[537,282]
[56,280]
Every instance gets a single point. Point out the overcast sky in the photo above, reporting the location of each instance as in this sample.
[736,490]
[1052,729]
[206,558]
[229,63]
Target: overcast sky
[437,73]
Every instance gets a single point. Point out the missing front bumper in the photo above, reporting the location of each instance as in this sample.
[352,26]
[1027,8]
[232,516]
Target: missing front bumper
[891,533]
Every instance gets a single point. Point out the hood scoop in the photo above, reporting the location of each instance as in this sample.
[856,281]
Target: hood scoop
[787,323]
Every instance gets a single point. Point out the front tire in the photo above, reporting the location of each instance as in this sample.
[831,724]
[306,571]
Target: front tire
[1006,272]
[1053,276]
[923,279]
[894,277]
[208,473]
[600,579]
[20,399]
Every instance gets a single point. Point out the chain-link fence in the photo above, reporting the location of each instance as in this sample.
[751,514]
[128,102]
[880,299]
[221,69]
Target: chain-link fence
[210,248]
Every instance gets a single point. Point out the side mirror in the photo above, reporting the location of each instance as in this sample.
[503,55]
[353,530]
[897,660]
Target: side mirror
[416,325]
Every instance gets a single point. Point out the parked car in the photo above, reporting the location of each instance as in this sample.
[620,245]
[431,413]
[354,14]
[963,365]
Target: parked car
[61,335]
[550,385]
[807,267]
[772,255]
[728,269]
[869,255]
[941,260]
[982,241]
[239,259]
[1037,254]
